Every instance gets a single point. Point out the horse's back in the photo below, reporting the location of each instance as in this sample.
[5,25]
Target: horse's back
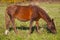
[23,13]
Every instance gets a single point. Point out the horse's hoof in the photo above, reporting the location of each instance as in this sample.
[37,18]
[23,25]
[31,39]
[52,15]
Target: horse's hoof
[29,33]
[16,32]
[38,32]
[6,32]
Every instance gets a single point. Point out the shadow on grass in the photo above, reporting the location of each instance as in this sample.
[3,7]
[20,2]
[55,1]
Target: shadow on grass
[25,28]
[33,28]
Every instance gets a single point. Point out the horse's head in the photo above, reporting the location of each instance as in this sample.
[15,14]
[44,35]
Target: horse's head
[51,26]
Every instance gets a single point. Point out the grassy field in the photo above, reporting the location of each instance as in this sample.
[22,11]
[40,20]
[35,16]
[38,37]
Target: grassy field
[53,11]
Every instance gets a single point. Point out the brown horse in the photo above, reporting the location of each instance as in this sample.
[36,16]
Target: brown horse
[27,13]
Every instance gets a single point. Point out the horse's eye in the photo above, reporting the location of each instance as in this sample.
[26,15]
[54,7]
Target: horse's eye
[52,26]
[49,25]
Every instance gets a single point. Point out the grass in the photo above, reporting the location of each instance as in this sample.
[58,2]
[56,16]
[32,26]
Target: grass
[53,11]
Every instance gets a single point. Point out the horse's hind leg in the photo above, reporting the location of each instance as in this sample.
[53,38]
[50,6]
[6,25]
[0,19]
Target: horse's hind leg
[37,26]
[13,24]
[7,26]
[7,22]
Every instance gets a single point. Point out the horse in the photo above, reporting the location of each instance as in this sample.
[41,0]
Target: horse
[27,13]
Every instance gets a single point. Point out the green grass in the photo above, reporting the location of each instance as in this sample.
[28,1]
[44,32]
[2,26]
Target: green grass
[53,11]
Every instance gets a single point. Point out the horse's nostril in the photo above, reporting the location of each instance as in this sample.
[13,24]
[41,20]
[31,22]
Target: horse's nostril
[54,32]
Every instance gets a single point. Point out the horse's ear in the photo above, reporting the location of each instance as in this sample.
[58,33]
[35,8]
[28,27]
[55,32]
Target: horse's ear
[52,19]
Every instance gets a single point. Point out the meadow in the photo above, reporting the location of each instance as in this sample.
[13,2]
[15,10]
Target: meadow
[53,11]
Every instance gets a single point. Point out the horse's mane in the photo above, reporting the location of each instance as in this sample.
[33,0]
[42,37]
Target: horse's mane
[44,13]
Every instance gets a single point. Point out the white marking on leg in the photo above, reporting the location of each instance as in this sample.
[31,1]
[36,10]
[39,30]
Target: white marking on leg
[6,32]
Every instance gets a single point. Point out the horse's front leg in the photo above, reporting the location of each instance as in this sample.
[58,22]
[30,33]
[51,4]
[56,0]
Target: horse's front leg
[30,27]
[13,24]
[37,26]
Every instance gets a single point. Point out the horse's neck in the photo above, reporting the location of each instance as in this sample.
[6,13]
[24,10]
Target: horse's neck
[46,18]
[44,15]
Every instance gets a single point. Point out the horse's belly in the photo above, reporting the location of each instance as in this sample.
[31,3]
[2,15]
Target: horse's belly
[24,14]
[23,17]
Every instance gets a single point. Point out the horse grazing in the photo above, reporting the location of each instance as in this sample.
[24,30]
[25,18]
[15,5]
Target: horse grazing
[27,13]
